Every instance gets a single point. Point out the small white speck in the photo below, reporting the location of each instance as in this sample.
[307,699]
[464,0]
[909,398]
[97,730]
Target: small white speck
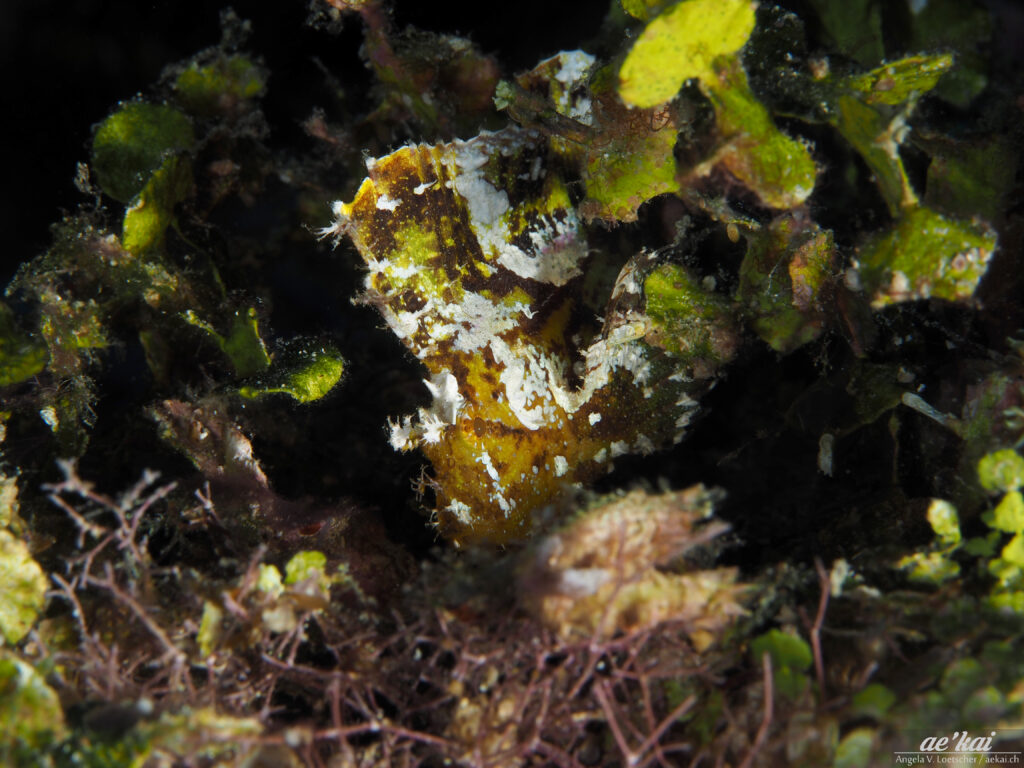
[49,417]
[461,511]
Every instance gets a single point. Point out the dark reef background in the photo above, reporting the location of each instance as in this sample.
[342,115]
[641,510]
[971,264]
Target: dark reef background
[65,63]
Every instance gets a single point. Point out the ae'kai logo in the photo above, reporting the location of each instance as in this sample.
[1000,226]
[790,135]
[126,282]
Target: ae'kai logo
[959,749]
[961,741]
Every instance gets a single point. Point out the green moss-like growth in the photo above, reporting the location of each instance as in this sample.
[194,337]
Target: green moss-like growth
[784,281]
[874,701]
[242,345]
[701,40]
[305,565]
[791,658]
[1001,471]
[854,751]
[870,111]
[21,357]
[690,322]
[680,44]
[220,86]
[1008,516]
[133,142]
[899,81]
[31,718]
[935,565]
[23,585]
[925,255]
[215,738]
[643,9]
[313,374]
[631,169]
[778,168]
[152,211]
[998,471]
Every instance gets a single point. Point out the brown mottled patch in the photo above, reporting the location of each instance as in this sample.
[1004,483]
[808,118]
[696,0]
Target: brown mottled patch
[411,301]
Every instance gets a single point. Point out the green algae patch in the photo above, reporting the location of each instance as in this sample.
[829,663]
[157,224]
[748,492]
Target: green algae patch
[23,586]
[935,565]
[625,156]
[209,635]
[21,357]
[877,140]
[31,717]
[152,211]
[680,44]
[777,167]
[315,374]
[204,733]
[1008,516]
[635,166]
[1013,552]
[925,255]
[943,519]
[854,750]
[874,701]
[269,580]
[133,142]
[8,491]
[242,345]
[699,39]
[784,278]
[305,565]
[219,87]
[791,657]
[689,322]
[1001,471]
[930,567]
[900,81]
[72,328]
[870,111]
[643,9]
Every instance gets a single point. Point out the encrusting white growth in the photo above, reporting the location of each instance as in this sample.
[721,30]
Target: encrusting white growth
[385,203]
[447,400]
[443,412]
[557,250]
[561,466]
